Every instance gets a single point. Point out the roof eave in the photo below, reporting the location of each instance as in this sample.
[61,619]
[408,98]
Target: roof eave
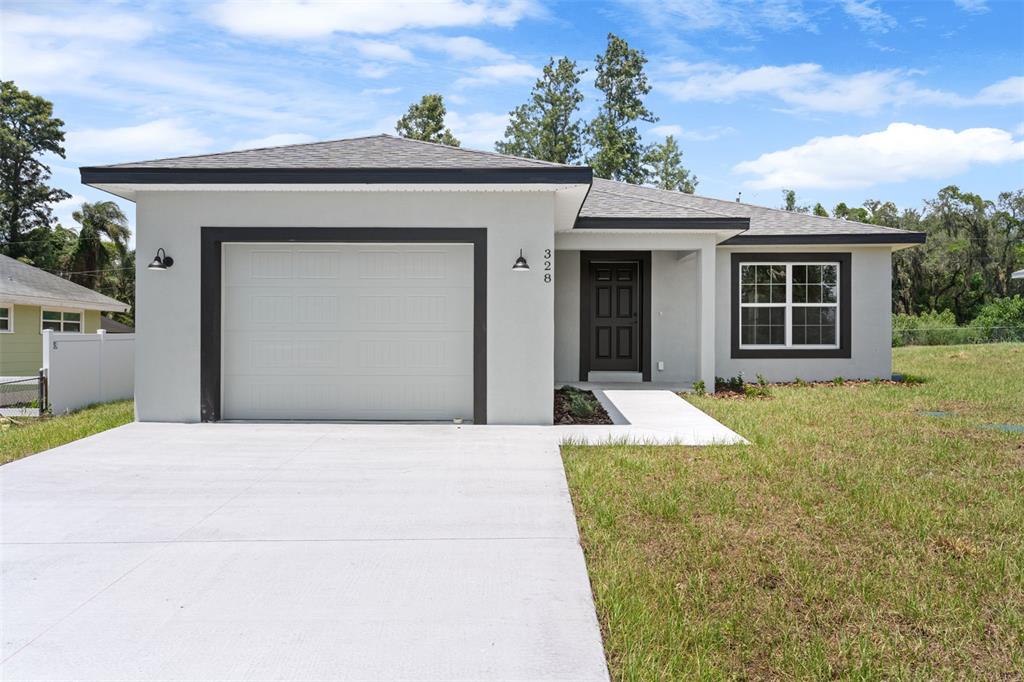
[637,223]
[881,238]
[93,175]
[61,302]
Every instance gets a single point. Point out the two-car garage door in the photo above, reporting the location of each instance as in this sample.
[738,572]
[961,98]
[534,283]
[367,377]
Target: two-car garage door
[347,331]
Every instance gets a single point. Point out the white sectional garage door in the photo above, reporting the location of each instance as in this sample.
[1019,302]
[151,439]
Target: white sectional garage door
[347,331]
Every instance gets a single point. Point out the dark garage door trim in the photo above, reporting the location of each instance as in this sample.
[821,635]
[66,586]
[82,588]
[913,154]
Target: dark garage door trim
[213,239]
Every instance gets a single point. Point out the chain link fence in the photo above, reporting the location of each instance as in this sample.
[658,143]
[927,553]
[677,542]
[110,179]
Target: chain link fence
[23,396]
[949,336]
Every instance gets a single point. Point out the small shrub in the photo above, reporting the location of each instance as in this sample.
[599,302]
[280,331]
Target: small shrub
[699,388]
[876,380]
[909,379]
[929,329]
[581,405]
[759,390]
[1000,320]
[801,383]
[839,381]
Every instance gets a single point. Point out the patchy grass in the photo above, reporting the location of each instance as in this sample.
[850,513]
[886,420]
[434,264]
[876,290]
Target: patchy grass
[854,538]
[21,437]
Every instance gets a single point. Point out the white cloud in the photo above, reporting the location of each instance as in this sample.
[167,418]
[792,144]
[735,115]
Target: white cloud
[901,152]
[972,6]
[477,131]
[744,17]
[869,16]
[809,87]
[703,135]
[163,137]
[276,140]
[377,49]
[63,210]
[378,92]
[493,74]
[117,27]
[374,71]
[463,48]
[296,19]
[1009,91]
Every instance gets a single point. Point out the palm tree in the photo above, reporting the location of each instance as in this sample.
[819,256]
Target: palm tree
[92,255]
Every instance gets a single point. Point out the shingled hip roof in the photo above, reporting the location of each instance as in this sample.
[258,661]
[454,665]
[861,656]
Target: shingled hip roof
[388,159]
[26,285]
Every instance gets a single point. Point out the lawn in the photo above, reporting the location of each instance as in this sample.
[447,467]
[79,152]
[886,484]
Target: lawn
[21,437]
[854,538]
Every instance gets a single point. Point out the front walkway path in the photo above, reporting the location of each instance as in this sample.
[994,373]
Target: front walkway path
[301,551]
[648,416]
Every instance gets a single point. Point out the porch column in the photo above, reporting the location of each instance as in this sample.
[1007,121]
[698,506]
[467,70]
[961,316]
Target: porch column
[706,360]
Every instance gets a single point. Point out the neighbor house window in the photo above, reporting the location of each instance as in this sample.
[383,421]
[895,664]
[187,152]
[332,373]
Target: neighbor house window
[62,320]
[789,304]
[6,318]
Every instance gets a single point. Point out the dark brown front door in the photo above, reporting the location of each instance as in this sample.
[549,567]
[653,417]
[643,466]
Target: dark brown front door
[614,327]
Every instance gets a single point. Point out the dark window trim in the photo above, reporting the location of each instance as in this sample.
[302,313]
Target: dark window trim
[602,222]
[644,259]
[213,239]
[92,175]
[793,239]
[845,277]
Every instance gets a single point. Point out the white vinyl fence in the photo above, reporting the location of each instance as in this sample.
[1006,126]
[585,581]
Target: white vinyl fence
[82,369]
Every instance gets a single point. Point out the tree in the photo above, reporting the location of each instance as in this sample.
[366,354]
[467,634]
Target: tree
[543,128]
[92,257]
[789,196]
[820,210]
[617,153]
[27,131]
[425,121]
[664,167]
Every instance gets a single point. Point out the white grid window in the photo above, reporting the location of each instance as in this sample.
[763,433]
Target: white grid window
[6,318]
[61,320]
[789,305]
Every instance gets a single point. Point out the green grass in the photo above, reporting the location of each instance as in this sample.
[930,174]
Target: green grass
[854,538]
[22,437]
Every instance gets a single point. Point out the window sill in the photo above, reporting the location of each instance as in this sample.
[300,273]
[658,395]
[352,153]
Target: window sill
[796,353]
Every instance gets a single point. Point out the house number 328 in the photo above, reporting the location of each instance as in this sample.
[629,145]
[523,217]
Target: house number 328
[547,266]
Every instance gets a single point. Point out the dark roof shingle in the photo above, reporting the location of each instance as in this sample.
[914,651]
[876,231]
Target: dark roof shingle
[18,280]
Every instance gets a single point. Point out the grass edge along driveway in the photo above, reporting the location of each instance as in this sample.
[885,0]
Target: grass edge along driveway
[21,437]
[854,538]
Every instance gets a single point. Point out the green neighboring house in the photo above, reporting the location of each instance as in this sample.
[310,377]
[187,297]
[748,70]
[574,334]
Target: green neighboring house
[32,300]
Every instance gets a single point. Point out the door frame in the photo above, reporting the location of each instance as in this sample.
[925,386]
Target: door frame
[211,291]
[643,260]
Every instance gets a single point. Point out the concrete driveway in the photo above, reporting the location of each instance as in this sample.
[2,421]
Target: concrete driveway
[299,552]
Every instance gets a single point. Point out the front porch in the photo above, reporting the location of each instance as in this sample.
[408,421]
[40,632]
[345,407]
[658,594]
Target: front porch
[643,316]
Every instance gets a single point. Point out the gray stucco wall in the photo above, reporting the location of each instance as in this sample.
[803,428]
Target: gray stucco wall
[520,334]
[674,323]
[871,322]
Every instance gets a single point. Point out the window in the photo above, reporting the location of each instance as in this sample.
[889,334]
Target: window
[62,320]
[790,305]
[6,318]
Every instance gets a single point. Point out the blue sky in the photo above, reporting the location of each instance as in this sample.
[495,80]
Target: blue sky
[841,101]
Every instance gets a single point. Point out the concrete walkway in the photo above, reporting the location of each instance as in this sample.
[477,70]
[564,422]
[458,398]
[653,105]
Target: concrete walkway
[648,416]
[303,551]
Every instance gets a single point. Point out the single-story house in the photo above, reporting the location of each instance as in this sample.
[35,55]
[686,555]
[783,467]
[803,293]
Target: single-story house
[32,300]
[383,278]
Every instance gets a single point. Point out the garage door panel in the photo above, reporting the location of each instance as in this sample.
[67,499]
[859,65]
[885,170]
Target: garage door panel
[351,307]
[296,266]
[347,331]
[356,398]
[348,354]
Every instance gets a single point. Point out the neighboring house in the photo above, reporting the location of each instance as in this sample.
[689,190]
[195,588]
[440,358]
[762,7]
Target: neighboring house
[112,326]
[380,278]
[32,300]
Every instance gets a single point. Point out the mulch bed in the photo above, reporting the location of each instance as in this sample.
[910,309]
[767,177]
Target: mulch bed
[563,415]
[723,390]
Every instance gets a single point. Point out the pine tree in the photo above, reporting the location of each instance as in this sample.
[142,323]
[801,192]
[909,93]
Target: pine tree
[617,152]
[543,128]
[425,121]
[665,168]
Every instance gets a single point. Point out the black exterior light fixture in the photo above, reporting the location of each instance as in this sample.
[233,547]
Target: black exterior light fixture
[520,265]
[161,262]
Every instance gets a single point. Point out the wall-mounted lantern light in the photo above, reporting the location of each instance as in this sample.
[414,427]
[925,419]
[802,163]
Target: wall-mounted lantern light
[520,265]
[162,261]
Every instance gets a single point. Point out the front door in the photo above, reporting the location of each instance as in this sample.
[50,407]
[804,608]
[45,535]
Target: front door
[614,327]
